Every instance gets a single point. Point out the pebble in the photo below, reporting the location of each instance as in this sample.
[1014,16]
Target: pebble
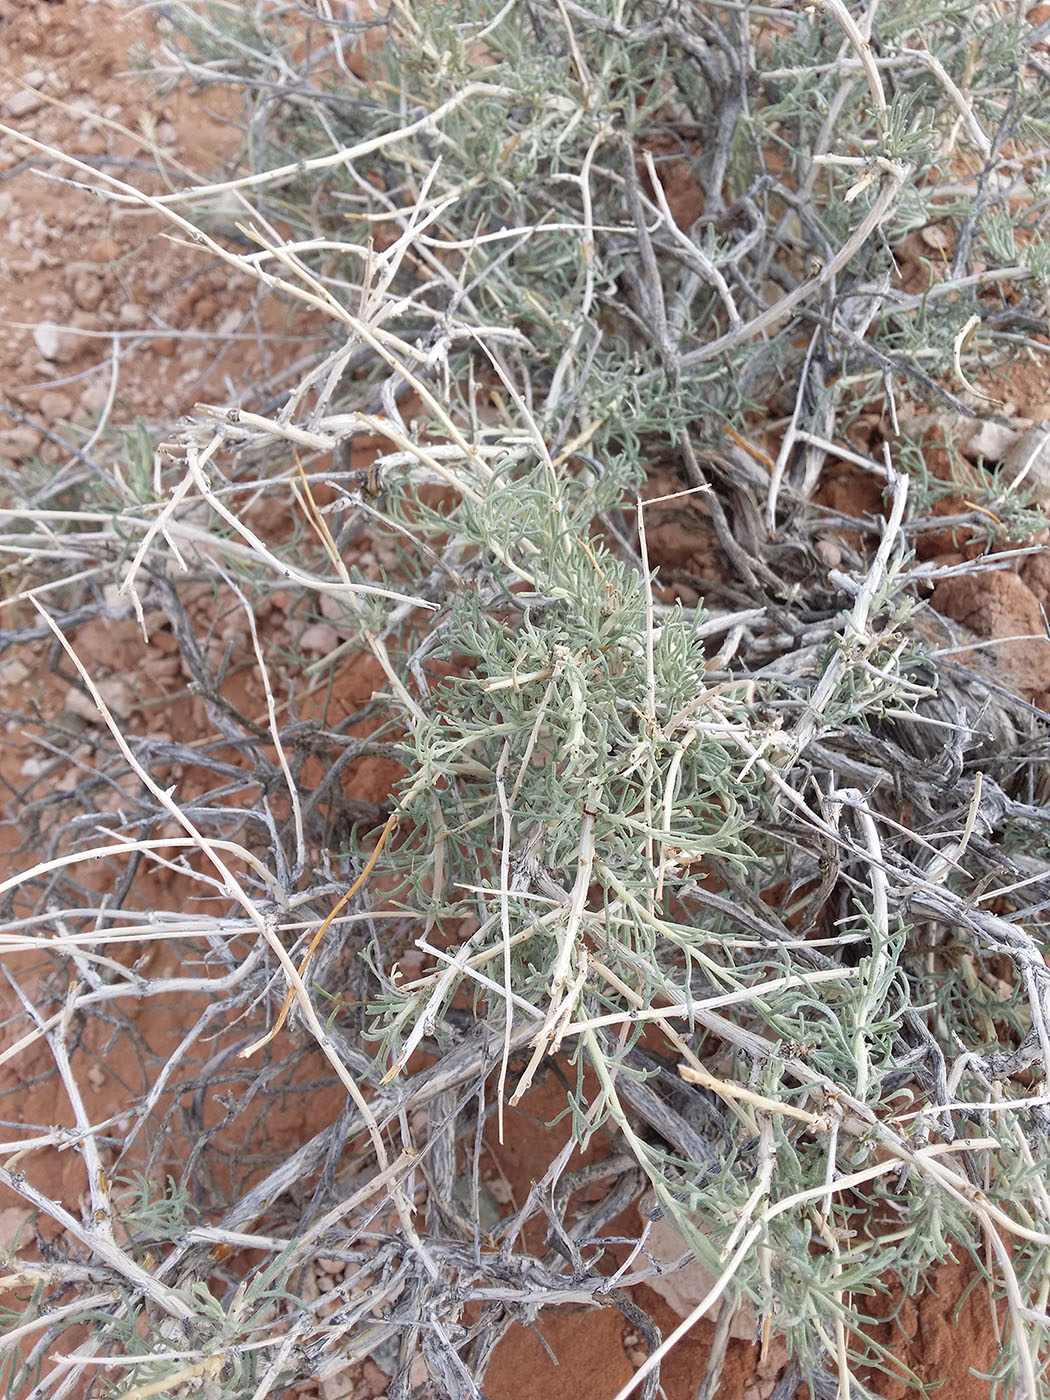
[1028,461]
[319,638]
[935,236]
[55,343]
[87,321]
[23,103]
[992,441]
[103,250]
[12,671]
[55,406]
[94,397]
[828,553]
[115,695]
[92,143]
[18,443]
[338,1386]
[87,290]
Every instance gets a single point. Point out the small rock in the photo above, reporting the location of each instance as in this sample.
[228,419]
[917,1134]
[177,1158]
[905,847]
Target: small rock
[55,405]
[132,315]
[12,672]
[374,1379]
[999,604]
[309,1290]
[113,598]
[338,1386]
[828,553]
[992,441]
[935,236]
[23,103]
[94,397]
[86,321]
[6,204]
[1027,464]
[115,694]
[319,638]
[684,1287]
[92,143]
[16,444]
[87,290]
[333,608]
[55,343]
[46,337]
[15,1224]
[104,250]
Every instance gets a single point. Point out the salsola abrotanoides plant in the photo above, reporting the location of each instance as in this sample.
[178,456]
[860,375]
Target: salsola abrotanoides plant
[761,880]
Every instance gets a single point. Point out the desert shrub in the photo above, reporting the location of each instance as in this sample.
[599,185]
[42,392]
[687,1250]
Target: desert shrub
[758,880]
